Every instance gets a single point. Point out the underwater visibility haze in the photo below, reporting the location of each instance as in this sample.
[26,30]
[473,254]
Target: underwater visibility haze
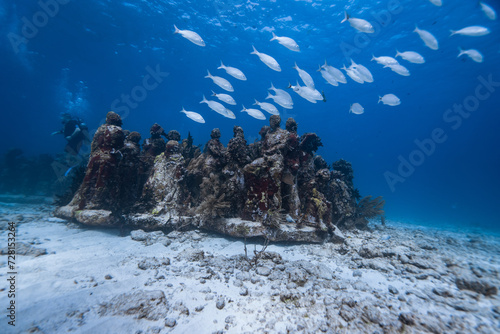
[247,166]
[433,162]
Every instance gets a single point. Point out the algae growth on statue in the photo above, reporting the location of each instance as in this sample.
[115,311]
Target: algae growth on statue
[276,188]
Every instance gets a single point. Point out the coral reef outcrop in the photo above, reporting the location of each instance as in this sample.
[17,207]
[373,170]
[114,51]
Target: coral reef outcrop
[276,188]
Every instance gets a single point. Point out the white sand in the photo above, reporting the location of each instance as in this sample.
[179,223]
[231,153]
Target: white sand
[66,289]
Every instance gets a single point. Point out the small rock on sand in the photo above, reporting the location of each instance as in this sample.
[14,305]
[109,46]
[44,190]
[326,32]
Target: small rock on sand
[263,271]
[170,322]
[220,303]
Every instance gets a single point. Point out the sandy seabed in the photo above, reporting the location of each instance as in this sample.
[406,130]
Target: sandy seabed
[399,278]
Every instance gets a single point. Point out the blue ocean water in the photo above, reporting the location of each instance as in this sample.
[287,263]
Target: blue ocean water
[89,57]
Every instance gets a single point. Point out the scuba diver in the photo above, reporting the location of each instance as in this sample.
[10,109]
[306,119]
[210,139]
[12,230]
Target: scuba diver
[75,131]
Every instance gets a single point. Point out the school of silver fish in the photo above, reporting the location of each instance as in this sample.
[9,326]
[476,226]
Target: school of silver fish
[332,75]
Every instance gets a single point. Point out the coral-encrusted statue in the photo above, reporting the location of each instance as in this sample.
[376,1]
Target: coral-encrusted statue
[292,160]
[206,181]
[315,207]
[263,175]
[255,149]
[341,193]
[238,157]
[162,193]
[102,183]
[154,145]
[132,170]
[238,149]
[189,151]
[276,188]
[217,154]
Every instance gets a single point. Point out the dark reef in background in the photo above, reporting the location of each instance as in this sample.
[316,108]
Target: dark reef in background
[276,188]
[41,178]
[27,176]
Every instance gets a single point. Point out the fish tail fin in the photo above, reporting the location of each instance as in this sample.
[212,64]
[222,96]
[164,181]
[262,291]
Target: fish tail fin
[379,99]
[373,57]
[221,65]
[269,96]
[176,31]
[274,37]
[416,28]
[254,52]
[256,102]
[242,110]
[295,65]
[204,99]
[397,53]
[183,110]
[289,85]
[453,32]
[346,17]
[69,170]
[272,86]
[319,69]
[326,64]
[214,94]
[208,75]
[461,52]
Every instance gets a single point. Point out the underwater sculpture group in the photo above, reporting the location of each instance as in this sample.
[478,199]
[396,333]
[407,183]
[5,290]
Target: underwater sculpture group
[275,188]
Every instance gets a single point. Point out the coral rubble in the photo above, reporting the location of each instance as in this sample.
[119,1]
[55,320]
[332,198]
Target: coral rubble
[276,188]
